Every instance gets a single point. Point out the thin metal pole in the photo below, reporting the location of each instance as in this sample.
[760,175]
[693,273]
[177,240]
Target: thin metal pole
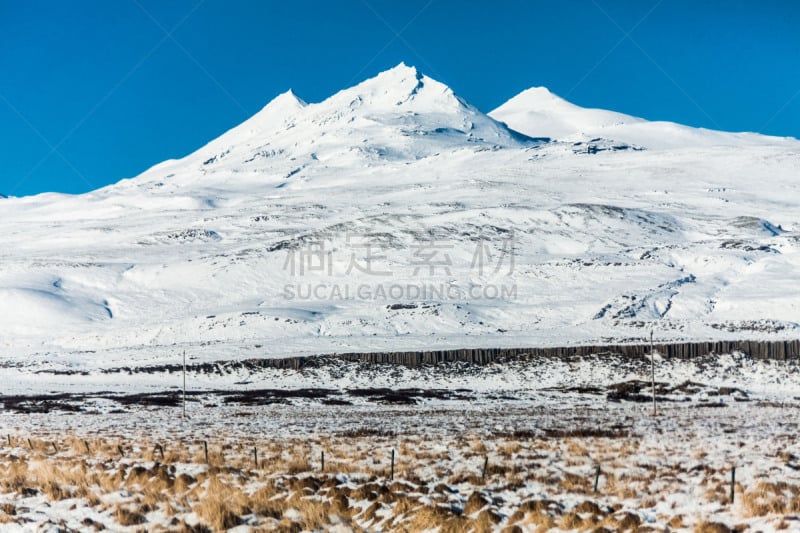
[184,384]
[653,371]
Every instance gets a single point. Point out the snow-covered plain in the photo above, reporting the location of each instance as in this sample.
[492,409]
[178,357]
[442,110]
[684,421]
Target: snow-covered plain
[299,232]
[542,439]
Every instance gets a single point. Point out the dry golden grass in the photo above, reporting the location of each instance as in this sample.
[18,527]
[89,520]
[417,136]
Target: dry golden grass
[437,485]
[571,520]
[711,527]
[675,522]
[575,448]
[428,518]
[314,514]
[298,466]
[541,520]
[221,505]
[509,449]
[127,517]
[13,476]
[771,498]
[477,446]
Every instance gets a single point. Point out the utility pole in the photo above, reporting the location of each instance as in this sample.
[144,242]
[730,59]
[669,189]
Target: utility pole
[184,384]
[653,371]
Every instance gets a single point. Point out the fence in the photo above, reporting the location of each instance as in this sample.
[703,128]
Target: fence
[777,350]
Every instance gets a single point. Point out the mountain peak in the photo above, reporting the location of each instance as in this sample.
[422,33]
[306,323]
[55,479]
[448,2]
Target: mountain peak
[285,105]
[401,89]
[402,70]
[539,112]
[398,115]
[537,98]
[286,100]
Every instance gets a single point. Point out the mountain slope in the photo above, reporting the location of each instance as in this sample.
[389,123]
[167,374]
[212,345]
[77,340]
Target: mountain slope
[539,113]
[393,215]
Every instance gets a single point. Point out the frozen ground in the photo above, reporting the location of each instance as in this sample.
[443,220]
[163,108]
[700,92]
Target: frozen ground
[542,426]
[532,378]
[542,434]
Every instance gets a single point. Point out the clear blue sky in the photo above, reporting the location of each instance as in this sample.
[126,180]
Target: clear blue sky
[95,91]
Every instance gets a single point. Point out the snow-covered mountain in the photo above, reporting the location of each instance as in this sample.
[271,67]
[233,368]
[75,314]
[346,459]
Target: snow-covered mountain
[398,116]
[540,113]
[394,215]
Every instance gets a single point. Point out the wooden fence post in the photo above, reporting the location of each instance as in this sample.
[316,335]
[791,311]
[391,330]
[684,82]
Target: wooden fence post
[596,477]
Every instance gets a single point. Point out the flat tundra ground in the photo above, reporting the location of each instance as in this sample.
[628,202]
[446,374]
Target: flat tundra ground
[472,461]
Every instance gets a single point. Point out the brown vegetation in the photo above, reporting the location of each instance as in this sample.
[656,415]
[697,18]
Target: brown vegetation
[436,487]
